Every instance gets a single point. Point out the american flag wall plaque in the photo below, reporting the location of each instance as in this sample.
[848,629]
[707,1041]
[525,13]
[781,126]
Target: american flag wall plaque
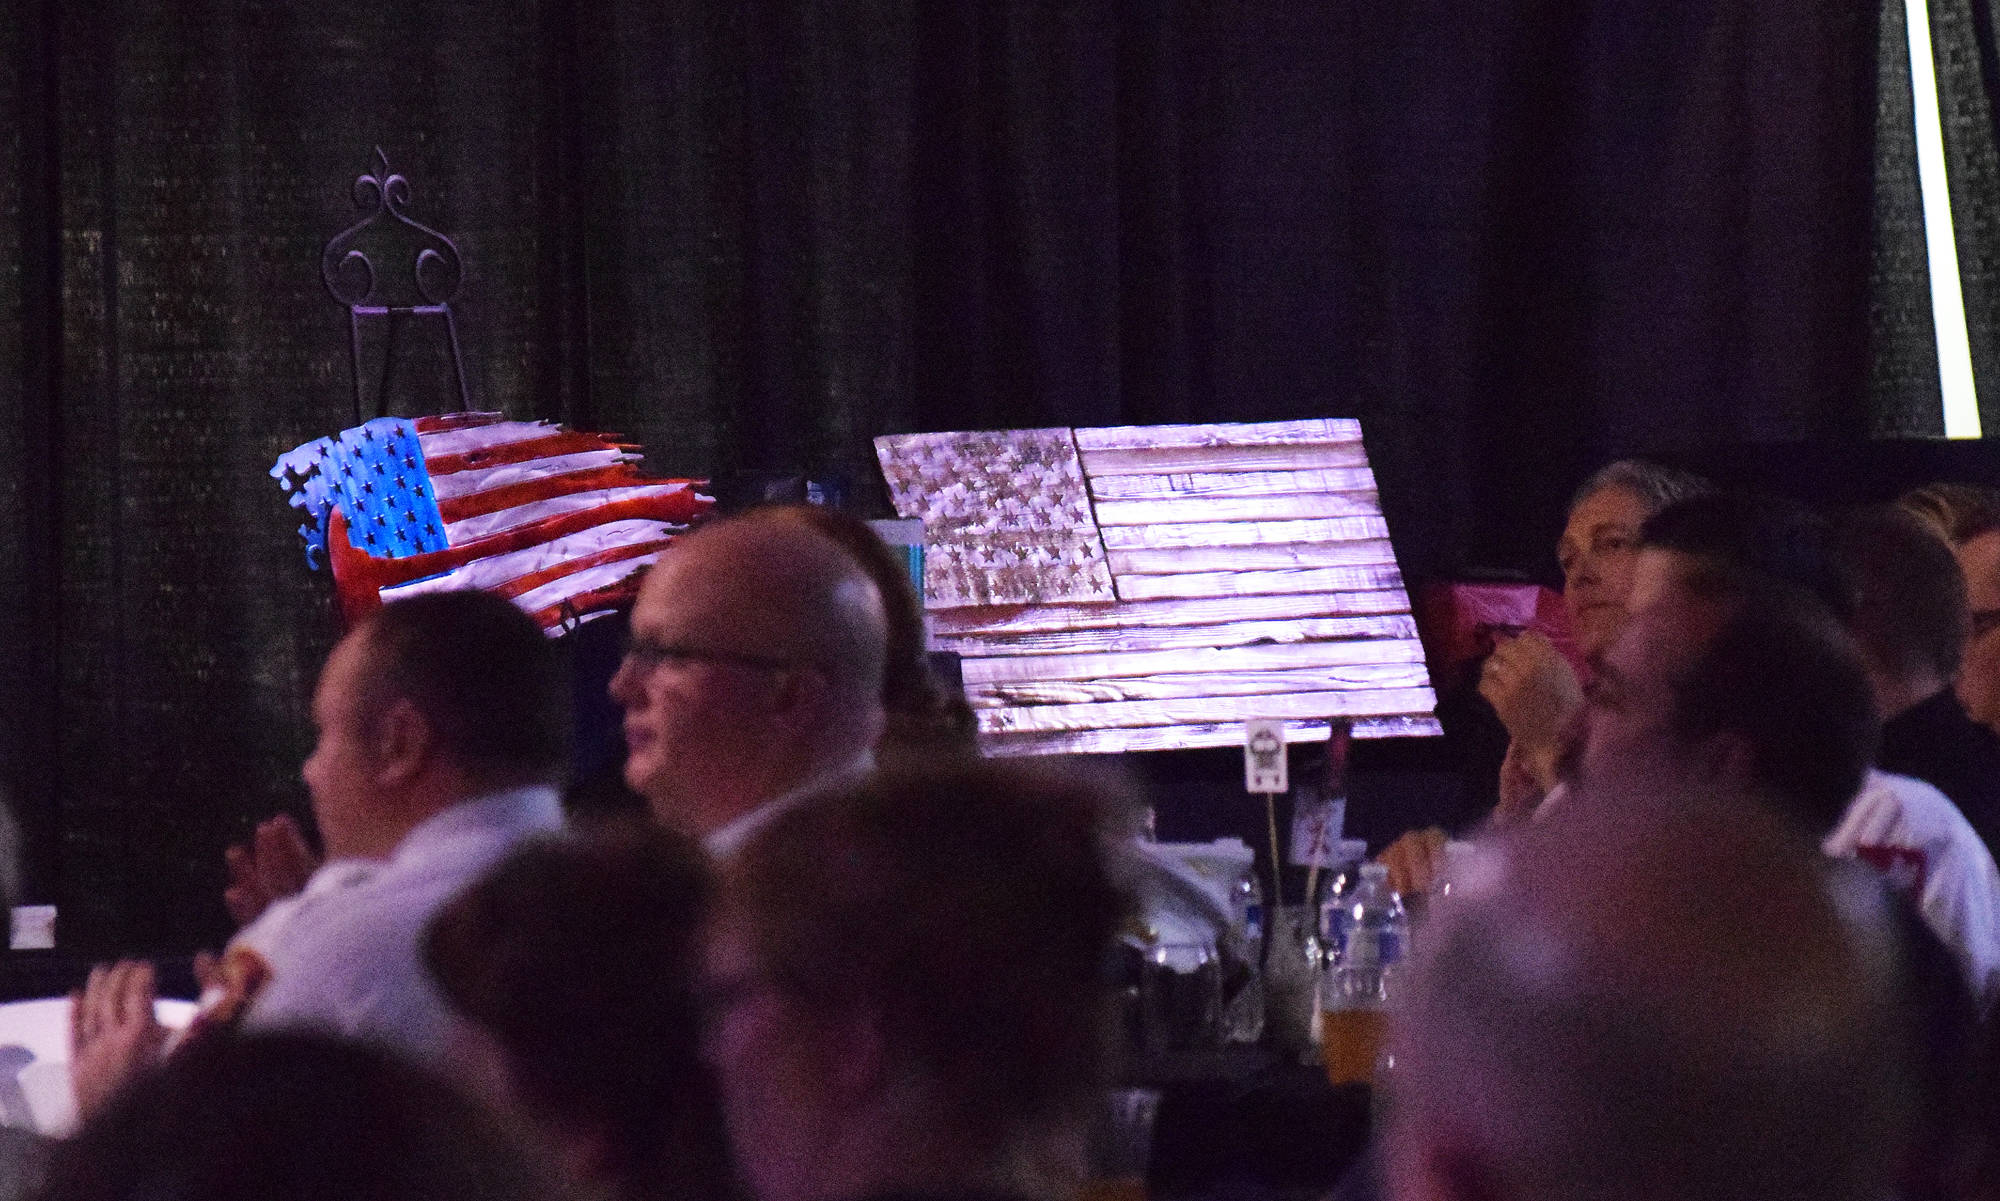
[1006,516]
[1249,576]
[556,520]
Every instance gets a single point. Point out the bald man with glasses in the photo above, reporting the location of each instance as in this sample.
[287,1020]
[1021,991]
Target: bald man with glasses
[753,677]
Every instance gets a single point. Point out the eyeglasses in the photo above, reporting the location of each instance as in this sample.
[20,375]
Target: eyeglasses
[646,656]
[1985,621]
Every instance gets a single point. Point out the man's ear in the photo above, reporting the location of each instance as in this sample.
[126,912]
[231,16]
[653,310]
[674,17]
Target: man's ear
[404,741]
[800,693]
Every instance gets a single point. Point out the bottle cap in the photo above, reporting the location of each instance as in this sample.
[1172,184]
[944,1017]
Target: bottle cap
[1376,872]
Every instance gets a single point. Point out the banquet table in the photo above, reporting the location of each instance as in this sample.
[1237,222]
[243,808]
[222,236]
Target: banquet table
[1248,1124]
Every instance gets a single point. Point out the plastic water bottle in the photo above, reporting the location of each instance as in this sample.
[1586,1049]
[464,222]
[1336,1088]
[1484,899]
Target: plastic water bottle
[1366,936]
[1243,1016]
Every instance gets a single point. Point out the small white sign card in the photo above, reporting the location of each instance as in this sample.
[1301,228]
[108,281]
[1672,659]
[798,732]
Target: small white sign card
[1264,757]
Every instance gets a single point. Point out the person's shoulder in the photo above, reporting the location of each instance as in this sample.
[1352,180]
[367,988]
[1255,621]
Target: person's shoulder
[1925,812]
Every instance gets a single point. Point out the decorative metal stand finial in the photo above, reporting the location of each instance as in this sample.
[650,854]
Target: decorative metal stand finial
[391,266]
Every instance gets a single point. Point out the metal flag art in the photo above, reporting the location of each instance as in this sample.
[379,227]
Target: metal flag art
[558,521]
[1251,577]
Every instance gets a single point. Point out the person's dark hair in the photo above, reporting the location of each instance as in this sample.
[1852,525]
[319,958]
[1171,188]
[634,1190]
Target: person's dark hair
[1655,486]
[1783,675]
[1911,614]
[483,675]
[1746,532]
[970,909]
[298,1116]
[577,955]
[1958,512]
[923,714]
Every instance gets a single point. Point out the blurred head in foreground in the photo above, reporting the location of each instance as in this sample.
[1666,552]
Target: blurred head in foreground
[295,1116]
[1640,999]
[1735,684]
[1743,534]
[905,987]
[574,962]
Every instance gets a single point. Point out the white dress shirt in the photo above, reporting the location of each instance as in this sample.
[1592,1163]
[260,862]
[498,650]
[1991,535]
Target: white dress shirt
[724,842]
[267,930]
[347,959]
[1914,835]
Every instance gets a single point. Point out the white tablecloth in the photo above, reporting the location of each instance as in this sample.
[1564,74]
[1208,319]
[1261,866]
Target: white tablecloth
[34,1061]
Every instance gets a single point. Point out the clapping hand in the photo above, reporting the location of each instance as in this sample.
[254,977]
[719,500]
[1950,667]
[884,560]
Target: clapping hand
[113,1035]
[274,864]
[1537,695]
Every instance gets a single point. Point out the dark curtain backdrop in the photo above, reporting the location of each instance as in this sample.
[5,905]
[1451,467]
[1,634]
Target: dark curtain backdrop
[1904,390]
[1514,238]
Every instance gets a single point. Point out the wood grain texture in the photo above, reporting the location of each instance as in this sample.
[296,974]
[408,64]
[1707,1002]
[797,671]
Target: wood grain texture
[1043,619]
[1242,533]
[1063,642]
[1254,578]
[1182,561]
[1236,509]
[1192,685]
[1228,484]
[1262,657]
[1208,734]
[1165,459]
[1110,714]
[1255,583]
[1254,433]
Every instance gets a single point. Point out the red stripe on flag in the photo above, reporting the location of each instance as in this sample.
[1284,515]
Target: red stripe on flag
[446,422]
[610,596]
[522,585]
[359,577]
[507,496]
[568,442]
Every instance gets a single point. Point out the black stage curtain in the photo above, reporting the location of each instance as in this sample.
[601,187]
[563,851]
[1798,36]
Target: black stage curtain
[1904,389]
[1514,238]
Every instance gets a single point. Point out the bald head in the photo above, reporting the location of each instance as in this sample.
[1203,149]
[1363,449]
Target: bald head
[783,588]
[758,664]
[1650,999]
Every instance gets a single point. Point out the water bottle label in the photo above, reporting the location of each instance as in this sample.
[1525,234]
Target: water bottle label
[1389,947]
[1253,921]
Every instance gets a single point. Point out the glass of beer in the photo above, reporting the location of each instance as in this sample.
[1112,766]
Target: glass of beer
[1350,1043]
[1352,1020]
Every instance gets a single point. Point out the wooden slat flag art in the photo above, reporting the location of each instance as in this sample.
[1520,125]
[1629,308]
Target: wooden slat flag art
[1250,576]
[1006,517]
[558,521]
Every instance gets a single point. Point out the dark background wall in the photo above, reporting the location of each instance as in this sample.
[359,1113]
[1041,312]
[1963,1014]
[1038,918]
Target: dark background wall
[1513,238]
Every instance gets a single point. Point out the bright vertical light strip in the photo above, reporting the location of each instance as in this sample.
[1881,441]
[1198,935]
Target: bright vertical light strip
[1961,401]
